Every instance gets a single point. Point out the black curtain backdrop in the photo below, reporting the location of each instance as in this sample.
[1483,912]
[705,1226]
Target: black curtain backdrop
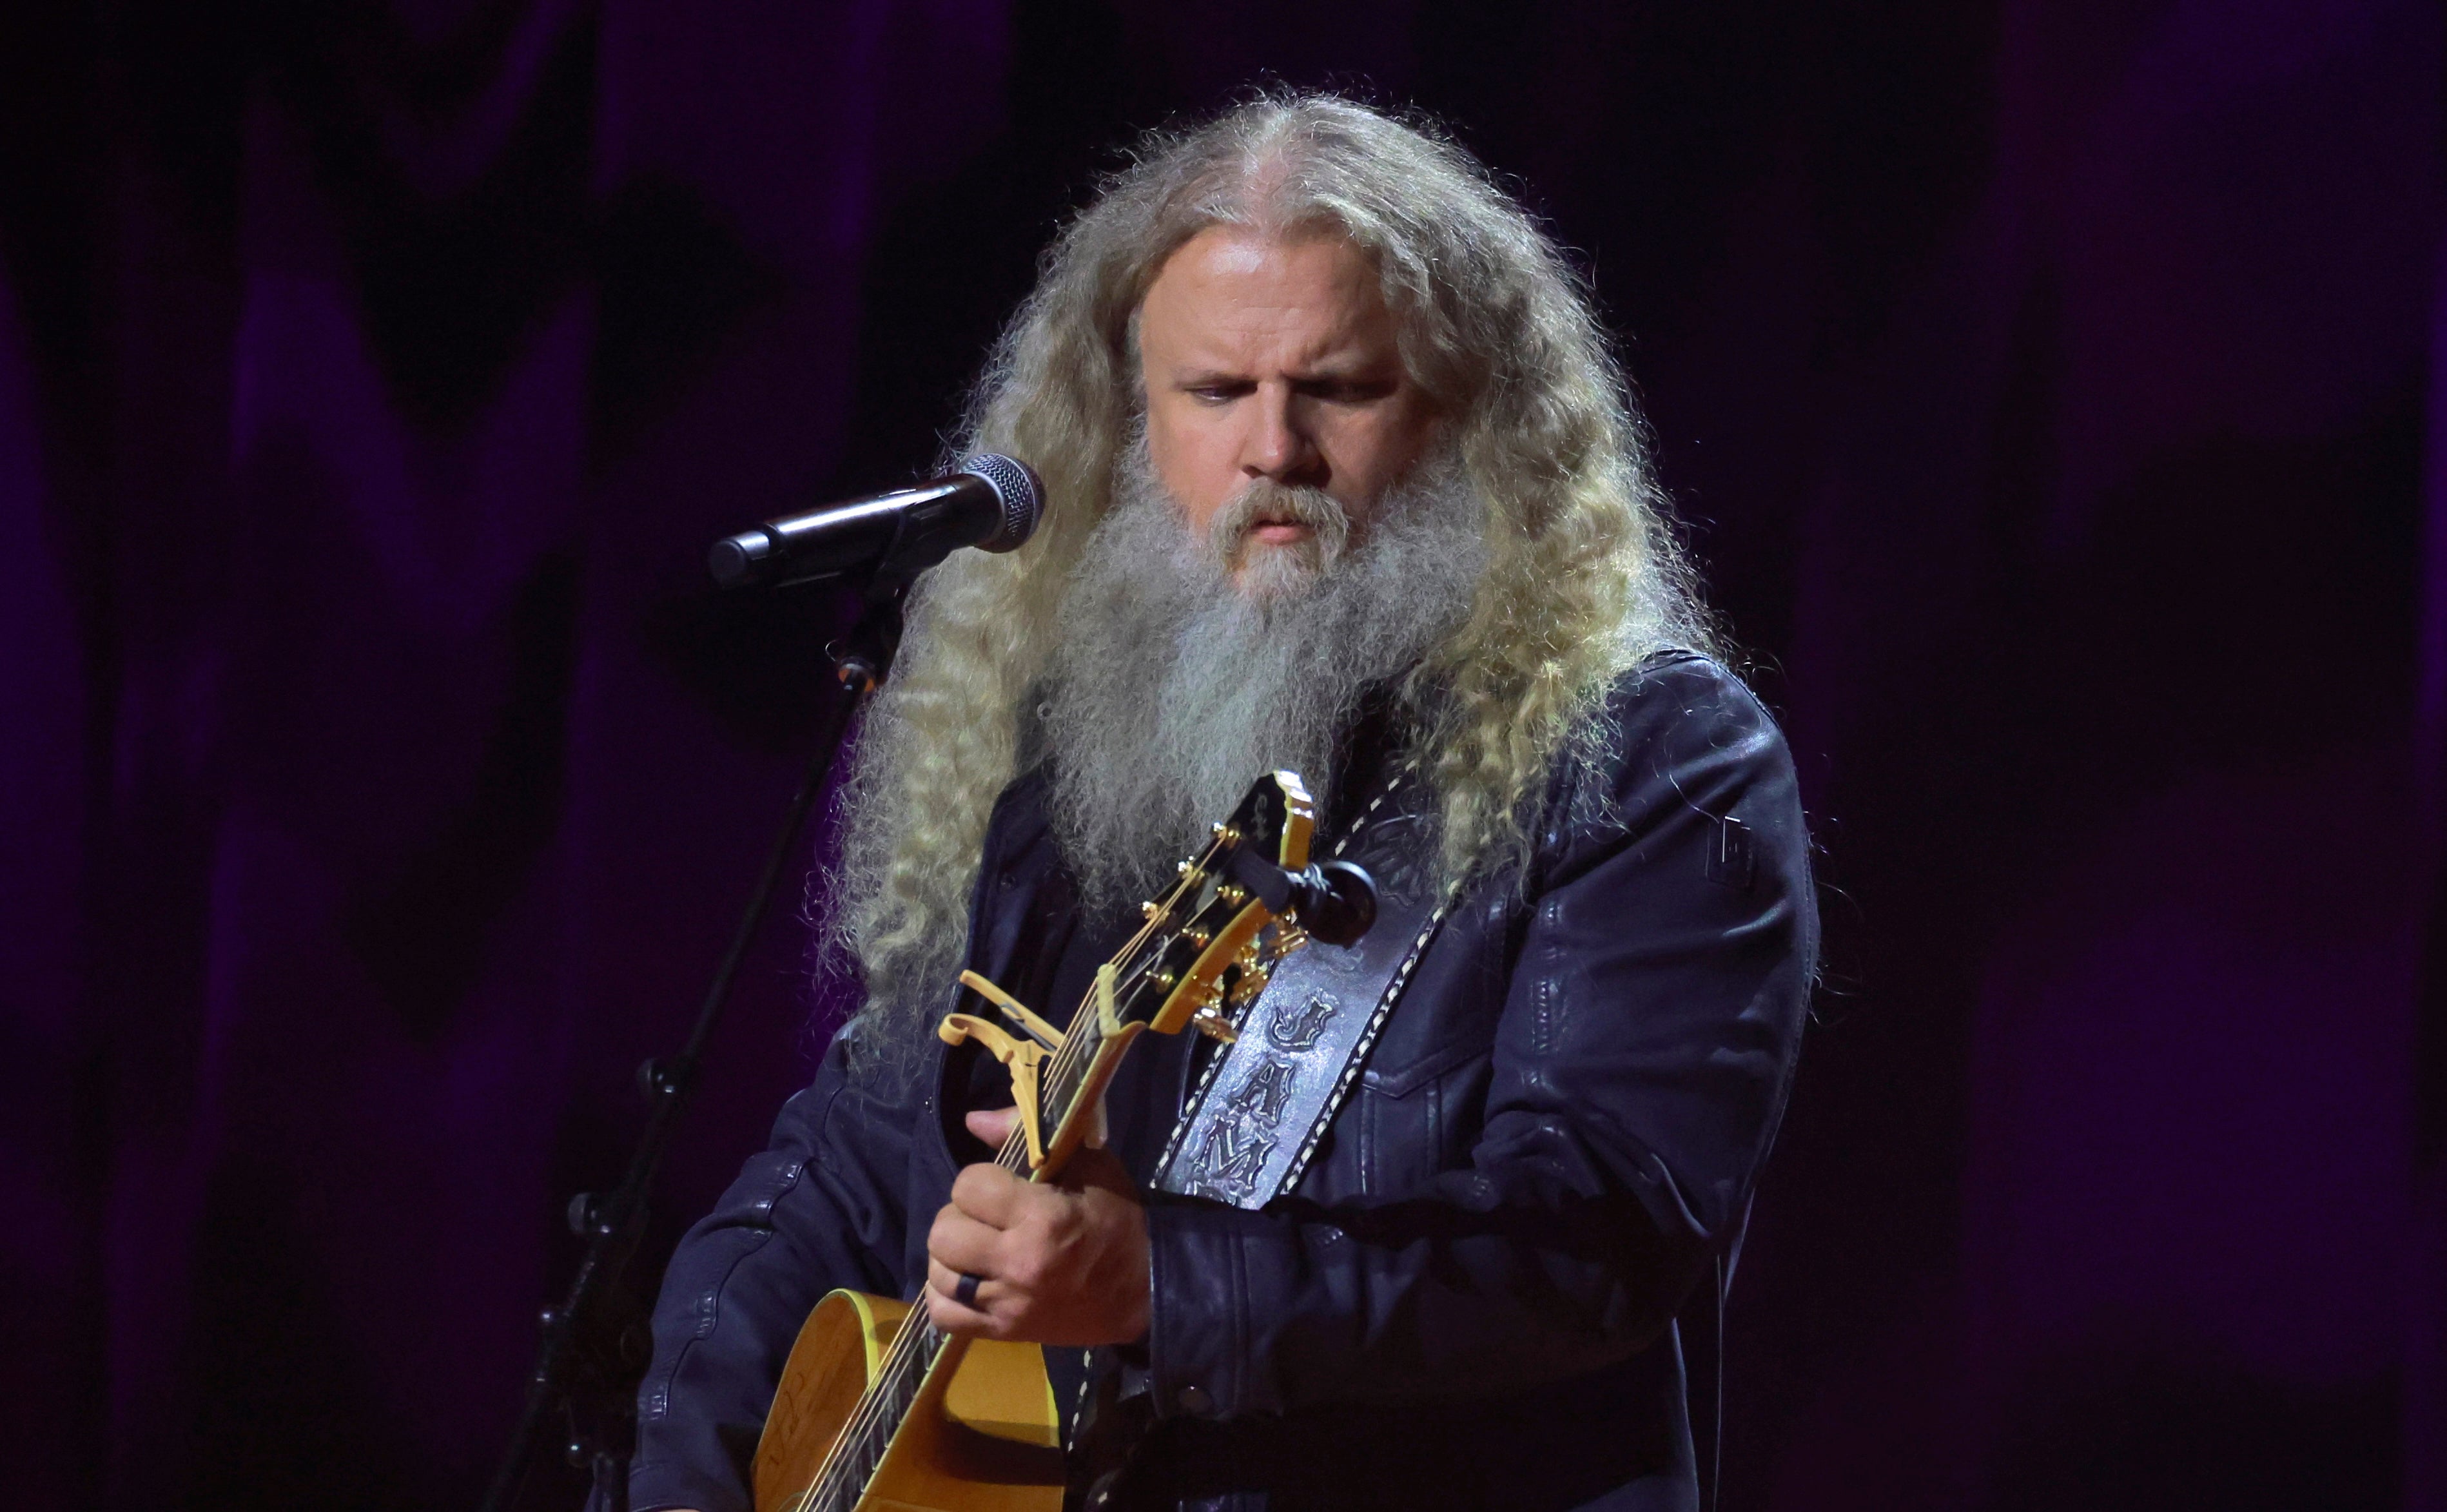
[2055,393]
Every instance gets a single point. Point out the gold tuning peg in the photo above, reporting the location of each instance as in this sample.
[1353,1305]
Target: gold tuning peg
[1215,1027]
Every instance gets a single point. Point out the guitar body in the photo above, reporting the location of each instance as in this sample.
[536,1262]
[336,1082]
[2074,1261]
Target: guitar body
[981,1437]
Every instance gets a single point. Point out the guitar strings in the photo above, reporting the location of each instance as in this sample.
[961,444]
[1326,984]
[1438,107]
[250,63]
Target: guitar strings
[916,1337]
[917,1340]
[917,1343]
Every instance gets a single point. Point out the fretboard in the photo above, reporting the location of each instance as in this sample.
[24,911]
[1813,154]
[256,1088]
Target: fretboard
[1073,1076]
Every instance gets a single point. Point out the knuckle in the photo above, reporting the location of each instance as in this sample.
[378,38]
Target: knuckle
[1061,1226]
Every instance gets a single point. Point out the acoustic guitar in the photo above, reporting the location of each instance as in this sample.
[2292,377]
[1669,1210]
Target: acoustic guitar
[877,1409]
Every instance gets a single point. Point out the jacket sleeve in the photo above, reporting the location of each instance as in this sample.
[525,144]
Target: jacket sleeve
[820,1209]
[1639,1066]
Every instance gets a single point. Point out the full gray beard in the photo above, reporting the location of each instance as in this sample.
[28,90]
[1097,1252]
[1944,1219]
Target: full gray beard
[1174,689]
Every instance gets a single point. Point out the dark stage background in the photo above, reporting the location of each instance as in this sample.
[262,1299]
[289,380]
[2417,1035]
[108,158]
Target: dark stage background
[2055,392]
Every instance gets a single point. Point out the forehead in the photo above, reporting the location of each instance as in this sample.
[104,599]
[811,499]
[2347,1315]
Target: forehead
[1234,297]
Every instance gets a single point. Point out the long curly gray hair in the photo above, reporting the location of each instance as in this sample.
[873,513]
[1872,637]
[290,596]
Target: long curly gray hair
[1583,577]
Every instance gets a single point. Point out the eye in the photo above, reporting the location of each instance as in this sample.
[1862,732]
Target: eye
[1222,391]
[1348,390]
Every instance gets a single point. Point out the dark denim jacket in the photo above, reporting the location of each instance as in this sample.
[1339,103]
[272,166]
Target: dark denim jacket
[1469,1299]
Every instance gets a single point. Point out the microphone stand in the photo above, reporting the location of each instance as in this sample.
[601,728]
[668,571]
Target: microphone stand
[590,1351]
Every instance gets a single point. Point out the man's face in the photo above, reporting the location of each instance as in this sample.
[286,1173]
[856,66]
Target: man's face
[1275,360]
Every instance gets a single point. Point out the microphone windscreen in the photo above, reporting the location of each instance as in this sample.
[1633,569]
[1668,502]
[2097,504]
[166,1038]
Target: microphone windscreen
[1016,484]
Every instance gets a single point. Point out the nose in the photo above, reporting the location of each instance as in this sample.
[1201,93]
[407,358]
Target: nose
[1277,446]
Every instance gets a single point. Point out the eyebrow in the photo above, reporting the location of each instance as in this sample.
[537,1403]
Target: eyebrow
[1329,371]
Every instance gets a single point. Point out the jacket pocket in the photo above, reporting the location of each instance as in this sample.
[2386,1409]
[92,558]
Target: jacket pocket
[1422,1118]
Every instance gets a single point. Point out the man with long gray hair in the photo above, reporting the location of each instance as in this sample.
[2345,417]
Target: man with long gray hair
[1340,479]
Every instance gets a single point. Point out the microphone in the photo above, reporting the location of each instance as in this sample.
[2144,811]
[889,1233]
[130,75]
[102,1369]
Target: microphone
[991,503]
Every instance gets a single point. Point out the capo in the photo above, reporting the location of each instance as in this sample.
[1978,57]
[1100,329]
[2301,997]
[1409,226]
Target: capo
[1012,1008]
[1107,1021]
[1024,1058]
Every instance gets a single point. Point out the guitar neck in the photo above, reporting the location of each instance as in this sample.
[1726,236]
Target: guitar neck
[1073,1088]
[1071,1106]
[1200,947]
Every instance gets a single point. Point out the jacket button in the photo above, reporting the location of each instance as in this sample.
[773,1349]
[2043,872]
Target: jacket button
[1195,1401]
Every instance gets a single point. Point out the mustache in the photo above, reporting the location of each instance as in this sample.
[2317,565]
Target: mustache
[1262,501]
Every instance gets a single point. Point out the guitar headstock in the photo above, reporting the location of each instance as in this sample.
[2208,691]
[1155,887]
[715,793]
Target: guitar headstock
[1235,909]
[1246,901]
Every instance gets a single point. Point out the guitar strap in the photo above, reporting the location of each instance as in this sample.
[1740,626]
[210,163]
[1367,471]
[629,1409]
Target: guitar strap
[1262,1107]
